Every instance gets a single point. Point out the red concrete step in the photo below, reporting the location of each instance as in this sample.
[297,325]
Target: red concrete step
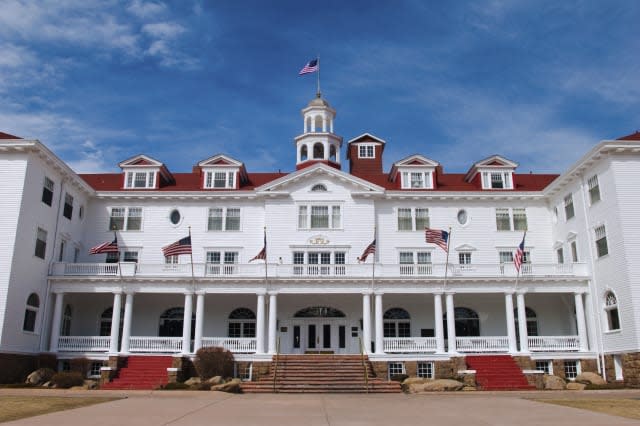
[498,372]
[141,372]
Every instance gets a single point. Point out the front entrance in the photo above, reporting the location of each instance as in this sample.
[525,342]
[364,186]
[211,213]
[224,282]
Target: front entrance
[316,329]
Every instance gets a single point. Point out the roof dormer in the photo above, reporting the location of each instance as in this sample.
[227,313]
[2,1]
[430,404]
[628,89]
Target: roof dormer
[143,172]
[414,172]
[222,172]
[495,173]
[365,154]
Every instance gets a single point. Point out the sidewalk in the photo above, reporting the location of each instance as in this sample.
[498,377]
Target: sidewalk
[143,408]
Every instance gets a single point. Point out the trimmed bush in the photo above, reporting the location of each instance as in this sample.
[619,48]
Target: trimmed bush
[81,365]
[67,379]
[214,361]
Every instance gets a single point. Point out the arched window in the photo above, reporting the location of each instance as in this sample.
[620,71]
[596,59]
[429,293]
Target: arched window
[532,322]
[65,327]
[105,321]
[303,153]
[319,312]
[332,153]
[467,322]
[31,313]
[171,322]
[318,151]
[611,308]
[242,323]
[319,188]
[397,323]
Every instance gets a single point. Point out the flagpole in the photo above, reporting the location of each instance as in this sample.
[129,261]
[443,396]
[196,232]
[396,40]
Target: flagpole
[521,263]
[318,93]
[266,279]
[115,237]
[373,263]
[446,263]
[191,257]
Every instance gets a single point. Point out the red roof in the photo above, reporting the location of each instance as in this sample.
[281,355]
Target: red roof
[8,136]
[632,137]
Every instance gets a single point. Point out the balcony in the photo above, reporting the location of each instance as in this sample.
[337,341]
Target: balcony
[152,344]
[279,270]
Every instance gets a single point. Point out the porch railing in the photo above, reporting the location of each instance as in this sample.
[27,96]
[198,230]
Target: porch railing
[554,343]
[233,344]
[83,343]
[409,344]
[155,344]
[482,344]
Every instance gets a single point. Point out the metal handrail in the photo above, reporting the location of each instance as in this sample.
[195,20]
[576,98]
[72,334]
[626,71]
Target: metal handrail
[364,366]
[275,367]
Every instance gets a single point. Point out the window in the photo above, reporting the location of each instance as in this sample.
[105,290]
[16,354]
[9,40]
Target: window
[319,263]
[47,191]
[560,255]
[503,221]
[318,188]
[220,179]
[221,262]
[41,243]
[224,219]
[396,369]
[463,217]
[125,219]
[63,243]
[65,326]
[397,323]
[594,189]
[546,366]
[601,241]
[416,180]
[140,179]
[532,322]
[95,369]
[519,220]
[68,206]
[571,369]
[130,256]
[497,180]
[425,370]
[105,321]
[366,151]
[31,313]
[415,263]
[319,217]
[574,252]
[568,207]
[506,256]
[464,258]
[175,216]
[81,212]
[413,219]
[242,323]
[611,309]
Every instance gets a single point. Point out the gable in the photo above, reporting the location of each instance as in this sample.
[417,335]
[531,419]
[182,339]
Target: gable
[366,137]
[140,160]
[220,160]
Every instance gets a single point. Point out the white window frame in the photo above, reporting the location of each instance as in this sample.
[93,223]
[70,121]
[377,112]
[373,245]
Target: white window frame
[505,179]
[513,214]
[406,179]
[414,218]
[230,178]
[398,368]
[68,203]
[573,247]
[48,185]
[41,232]
[415,261]
[593,187]
[131,179]
[611,304]
[35,310]
[226,213]
[600,233]
[577,368]
[128,213]
[569,207]
[425,369]
[335,219]
[227,262]
[366,150]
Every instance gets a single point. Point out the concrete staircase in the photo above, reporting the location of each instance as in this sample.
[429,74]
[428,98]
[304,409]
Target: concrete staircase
[498,372]
[141,372]
[320,374]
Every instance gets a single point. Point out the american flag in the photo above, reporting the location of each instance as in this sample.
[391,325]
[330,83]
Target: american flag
[312,66]
[437,237]
[371,249]
[262,255]
[182,246]
[107,247]
[519,257]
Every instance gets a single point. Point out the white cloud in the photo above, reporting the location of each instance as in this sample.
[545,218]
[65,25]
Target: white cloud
[163,30]
[146,9]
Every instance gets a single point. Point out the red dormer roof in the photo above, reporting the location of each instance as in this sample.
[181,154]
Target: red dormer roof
[632,137]
[8,136]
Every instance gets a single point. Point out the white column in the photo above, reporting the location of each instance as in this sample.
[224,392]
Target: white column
[326,150]
[582,325]
[324,124]
[186,324]
[126,325]
[331,125]
[273,323]
[437,313]
[57,319]
[366,322]
[379,325]
[451,324]
[115,323]
[511,325]
[197,344]
[260,324]
[522,324]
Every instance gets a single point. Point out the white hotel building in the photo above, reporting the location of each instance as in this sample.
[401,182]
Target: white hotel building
[575,305]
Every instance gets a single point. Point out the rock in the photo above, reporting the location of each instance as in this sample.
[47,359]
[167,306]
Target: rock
[47,384]
[193,381]
[590,378]
[441,385]
[554,382]
[40,376]
[414,380]
[576,386]
[216,380]
[90,384]
[469,388]
[232,386]
[469,380]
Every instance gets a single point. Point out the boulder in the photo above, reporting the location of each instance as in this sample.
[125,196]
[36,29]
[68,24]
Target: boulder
[215,380]
[554,383]
[232,386]
[469,388]
[441,385]
[576,386]
[590,379]
[469,380]
[413,384]
[90,384]
[40,376]
[193,381]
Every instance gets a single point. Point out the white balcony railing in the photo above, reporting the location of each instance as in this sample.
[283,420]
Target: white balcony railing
[409,344]
[155,344]
[83,343]
[233,344]
[554,343]
[252,270]
[482,344]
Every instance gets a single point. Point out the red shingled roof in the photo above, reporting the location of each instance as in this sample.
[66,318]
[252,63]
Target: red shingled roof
[8,136]
[632,137]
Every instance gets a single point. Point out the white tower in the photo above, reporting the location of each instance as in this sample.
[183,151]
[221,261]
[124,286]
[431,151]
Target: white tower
[318,143]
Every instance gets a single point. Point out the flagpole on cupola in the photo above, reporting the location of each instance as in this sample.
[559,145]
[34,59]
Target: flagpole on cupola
[318,93]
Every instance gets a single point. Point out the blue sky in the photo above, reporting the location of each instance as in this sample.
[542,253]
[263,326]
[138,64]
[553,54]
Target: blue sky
[539,82]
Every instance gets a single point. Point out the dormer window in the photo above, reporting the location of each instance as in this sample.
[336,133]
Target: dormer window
[417,180]
[366,151]
[497,180]
[140,179]
[220,179]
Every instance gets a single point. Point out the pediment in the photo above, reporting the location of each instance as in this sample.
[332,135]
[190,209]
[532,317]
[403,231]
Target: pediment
[465,247]
[140,160]
[496,161]
[220,160]
[367,137]
[416,160]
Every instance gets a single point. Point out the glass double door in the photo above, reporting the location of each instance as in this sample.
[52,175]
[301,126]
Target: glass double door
[319,337]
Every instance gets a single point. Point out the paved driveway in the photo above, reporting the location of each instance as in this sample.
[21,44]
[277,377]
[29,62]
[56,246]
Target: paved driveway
[213,408]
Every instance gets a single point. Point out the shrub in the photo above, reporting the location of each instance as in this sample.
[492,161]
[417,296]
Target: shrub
[67,379]
[81,365]
[175,386]
[215,361]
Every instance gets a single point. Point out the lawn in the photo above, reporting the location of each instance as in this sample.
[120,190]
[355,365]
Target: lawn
[18,407]
[618,407]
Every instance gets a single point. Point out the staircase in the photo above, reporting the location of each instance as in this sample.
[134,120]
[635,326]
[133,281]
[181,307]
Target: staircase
[141,372]
[320,374]
[498,372]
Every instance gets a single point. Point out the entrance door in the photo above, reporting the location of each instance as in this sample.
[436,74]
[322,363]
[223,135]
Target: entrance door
[318,337]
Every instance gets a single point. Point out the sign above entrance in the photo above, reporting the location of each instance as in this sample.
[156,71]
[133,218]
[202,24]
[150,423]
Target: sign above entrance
[319,240]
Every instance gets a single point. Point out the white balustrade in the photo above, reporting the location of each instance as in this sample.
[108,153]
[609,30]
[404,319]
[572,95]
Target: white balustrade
[233,344]
[155,344]
[554,343]
[483,344]
[83,343]
[409,344]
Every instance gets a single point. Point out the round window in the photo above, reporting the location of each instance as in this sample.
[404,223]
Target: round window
[174,217]
[462,217]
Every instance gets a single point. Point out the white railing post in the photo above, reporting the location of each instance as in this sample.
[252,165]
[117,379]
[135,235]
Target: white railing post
[582,325]
[197,339]
[366,321]
[511,326]
[115,323]
[437,312]
[451,324]
[57,320]
[379,325]
[522,323]
[126,325]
